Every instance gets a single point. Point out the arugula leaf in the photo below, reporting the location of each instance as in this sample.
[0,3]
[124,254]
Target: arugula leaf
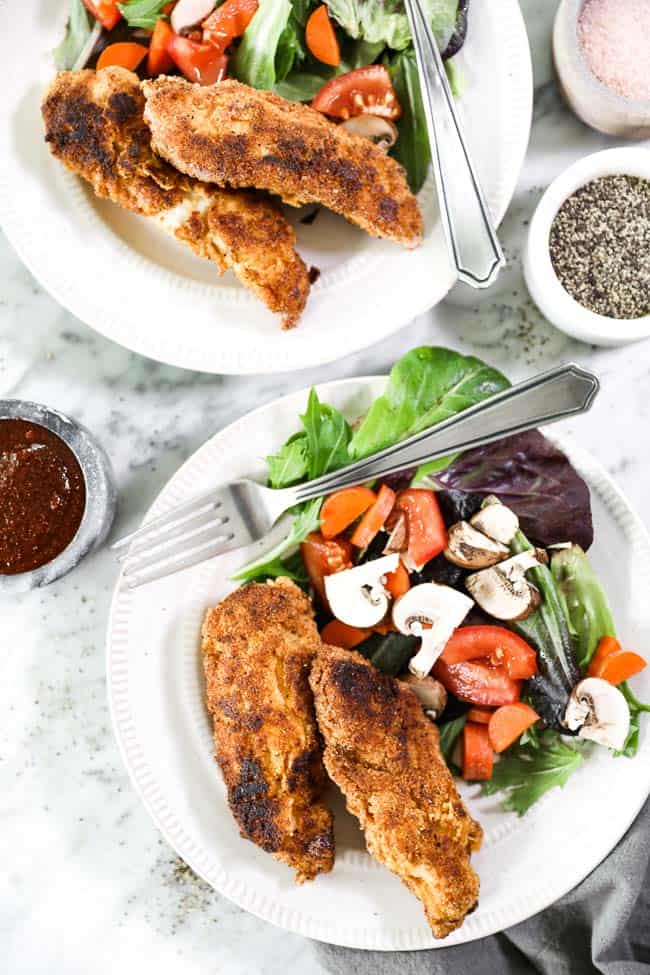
[637,708]
[290,568]
[142,13]
[412,147]
[307,520]
[527,772]
[254,62]
[587,606]
[426,385]
[449,733]
[289,465]
[327,437]
[77,32]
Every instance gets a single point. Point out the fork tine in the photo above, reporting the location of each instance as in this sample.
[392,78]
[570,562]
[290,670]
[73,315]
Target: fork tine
[175,548]
[177,514]
[155,570]
[186,528]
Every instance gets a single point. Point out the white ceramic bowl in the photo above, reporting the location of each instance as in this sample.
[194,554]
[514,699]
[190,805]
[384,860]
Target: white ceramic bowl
[545,289]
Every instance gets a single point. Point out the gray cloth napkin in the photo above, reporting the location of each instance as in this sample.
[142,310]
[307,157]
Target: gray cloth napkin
[603,925]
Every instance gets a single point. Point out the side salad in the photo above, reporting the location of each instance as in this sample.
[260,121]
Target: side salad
[467,578]
[350,59]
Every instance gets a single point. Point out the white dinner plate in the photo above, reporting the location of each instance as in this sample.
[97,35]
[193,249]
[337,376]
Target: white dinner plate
[156,692]
[130,282]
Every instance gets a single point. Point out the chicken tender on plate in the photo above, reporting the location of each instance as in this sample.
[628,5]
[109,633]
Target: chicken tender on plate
[258,645]
[234,135]
[383,753]
[94,124]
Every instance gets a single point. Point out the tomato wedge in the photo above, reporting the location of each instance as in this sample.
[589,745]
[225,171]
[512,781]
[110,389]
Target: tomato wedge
[228,21]
[478,761]
[321,38]
[508,723]
[105,11]
[499,645]
[339,634]
[158,60]
[606,645]
[374,518]
[342,508]
[398,582]
[323,557]
[478,683]
[618,666]
[480,715]
[202,63]
[364,91]
[126,54]
[426,532]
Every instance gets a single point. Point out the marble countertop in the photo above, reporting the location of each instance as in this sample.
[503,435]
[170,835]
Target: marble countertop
[88,884]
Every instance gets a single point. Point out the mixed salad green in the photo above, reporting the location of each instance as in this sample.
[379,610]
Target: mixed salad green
[501,680]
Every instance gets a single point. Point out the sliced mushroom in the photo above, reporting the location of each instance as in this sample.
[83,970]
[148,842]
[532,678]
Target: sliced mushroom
[357,596]
[599,712]
[471,549]
[397,540]
[431,612]
[503,591]
[189,13]
[431,693]
[496,521]
[380,131]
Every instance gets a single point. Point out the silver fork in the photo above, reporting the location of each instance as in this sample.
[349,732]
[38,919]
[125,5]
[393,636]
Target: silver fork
[237,514]
[471,238]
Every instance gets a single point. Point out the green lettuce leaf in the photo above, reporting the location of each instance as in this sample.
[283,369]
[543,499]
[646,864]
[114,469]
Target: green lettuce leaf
[307,520]
[327,437]
[412,147]
[289,465]
[385,21]
[254,62]
[636,708]
[301,86]
[77,32]
[449,734]
[142,13]
[587,606]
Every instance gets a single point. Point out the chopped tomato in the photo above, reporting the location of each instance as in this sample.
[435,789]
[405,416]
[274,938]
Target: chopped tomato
[426,532]
[374,518]
[606,645]
[339,634]
[158,60]
[321,37]
[323,557]
[498,645]
[105,11]
[343,507]
[398,582]
[228,21]
[481,715]
[508,723]
[126,54]
[364,91]
[202,63]
[478,683]
[478,761]
[618,666]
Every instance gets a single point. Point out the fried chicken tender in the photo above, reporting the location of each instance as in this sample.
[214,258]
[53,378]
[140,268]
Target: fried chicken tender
[258,645]
[94,124]
[234,135]
[383,753]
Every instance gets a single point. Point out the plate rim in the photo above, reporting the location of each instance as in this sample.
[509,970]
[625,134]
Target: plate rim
[284,918]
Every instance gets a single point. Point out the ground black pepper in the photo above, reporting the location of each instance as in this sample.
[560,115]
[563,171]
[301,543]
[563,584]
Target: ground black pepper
[600,246]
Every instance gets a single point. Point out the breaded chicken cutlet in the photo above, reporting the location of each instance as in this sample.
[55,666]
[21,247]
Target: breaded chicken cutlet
[94,124]
[258,645]
[383,753]
[234,135]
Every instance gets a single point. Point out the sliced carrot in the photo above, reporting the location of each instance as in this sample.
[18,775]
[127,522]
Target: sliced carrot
[125,54]
[618,666]
[607,645]
[339,634]
[508,723]
[481,715]
[374,518]
[478,760]
[321,37]
[342,508]
[158,59]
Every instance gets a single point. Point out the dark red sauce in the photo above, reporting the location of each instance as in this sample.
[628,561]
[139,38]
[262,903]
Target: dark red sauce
[42,496]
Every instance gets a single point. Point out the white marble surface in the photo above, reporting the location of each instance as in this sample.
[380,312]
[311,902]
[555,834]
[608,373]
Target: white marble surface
[87,884]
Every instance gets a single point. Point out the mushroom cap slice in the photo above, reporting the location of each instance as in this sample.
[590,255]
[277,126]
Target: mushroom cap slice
[496,521]
[380,131]
[357,596]
[599,712]
[503,590]
[430,691]
[471,549]
[431,612]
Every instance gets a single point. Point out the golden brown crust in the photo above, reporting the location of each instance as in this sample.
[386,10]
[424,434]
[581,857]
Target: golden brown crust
[258,645]
[383,753]
[94,124]
[234,135]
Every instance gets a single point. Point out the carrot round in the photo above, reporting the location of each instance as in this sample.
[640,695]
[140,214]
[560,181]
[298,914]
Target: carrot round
[508,723]
[478,760]
[374,518]
[398,582]
[125,54]
[606,645]
[339,634]
[342,508]
[480,715]
[619,666]
[321,37]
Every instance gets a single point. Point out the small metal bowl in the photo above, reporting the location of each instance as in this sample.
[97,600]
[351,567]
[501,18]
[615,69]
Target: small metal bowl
[101,496]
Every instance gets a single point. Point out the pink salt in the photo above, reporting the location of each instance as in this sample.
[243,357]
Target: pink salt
[615,39]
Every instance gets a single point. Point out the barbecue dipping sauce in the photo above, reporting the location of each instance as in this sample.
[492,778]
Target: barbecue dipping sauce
[42,496]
